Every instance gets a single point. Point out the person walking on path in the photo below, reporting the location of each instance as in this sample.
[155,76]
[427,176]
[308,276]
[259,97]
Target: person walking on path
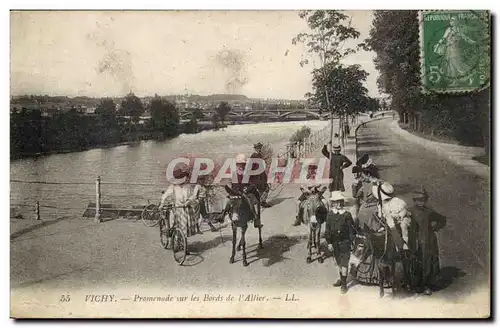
[338,234]
[368,203]
[261,179]
[338,162]
[425,243]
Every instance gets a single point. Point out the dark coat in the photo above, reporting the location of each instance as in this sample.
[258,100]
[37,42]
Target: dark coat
[259,180]
[339,227]
[423,240]
[246,189]
[339,233]
[338,163]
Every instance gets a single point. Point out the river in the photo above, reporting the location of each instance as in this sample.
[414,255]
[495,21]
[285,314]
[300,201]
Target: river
[143,162]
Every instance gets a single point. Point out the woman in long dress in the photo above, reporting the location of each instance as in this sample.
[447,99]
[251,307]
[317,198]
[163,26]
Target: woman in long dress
[186,211]
[366,221]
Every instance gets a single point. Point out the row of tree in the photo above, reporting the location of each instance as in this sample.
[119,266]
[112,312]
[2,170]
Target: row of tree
[31,133]
[394,37]
[338,88]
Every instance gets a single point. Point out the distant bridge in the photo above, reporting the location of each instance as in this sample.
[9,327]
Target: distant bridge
[269,115]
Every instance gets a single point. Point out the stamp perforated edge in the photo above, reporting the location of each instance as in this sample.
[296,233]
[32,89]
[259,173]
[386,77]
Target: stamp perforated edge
[420,17]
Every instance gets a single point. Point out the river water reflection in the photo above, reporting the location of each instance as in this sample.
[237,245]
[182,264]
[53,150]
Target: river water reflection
[143,162]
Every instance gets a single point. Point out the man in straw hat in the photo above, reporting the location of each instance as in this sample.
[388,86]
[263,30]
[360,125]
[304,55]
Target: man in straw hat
[427,222]
[338,234]
[338,162]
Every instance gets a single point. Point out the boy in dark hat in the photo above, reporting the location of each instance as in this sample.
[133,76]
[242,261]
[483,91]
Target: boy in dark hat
[338,163]
[425,241]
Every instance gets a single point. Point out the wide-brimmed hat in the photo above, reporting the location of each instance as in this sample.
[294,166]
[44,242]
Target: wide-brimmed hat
[362,160]
[336,196]
[420,193]
[336,147]
[386,191]
[181,171]
[258,145]
[241,159]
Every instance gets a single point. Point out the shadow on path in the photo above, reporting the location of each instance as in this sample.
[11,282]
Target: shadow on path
[202,246]
[278,200]
[274,248]
[447,276]
[36,227]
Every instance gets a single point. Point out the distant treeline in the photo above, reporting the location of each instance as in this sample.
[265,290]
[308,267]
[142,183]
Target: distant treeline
[31,133]
[62,99]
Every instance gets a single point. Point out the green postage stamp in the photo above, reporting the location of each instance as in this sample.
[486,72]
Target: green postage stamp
[455,50]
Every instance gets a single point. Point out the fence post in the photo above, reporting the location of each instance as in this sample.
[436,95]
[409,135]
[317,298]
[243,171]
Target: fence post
[37,210]
[98,199]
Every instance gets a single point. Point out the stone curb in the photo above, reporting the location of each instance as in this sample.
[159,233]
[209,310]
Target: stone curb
[460,155]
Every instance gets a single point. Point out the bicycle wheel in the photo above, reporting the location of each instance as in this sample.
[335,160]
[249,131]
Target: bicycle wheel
[179,246]
[164,231]
[150,215]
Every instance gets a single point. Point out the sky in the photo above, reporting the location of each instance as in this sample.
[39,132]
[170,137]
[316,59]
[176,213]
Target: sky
[97,53]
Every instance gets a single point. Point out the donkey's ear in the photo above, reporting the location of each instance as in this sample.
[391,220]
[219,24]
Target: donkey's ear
[322,189]
[302,189]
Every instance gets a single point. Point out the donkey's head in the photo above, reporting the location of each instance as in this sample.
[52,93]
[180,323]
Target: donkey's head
[360,251]
[315,210]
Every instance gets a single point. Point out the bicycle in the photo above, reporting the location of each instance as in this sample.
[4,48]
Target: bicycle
[151,215]
[172,236]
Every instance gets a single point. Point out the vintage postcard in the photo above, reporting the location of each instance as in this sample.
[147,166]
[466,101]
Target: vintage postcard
[250,164]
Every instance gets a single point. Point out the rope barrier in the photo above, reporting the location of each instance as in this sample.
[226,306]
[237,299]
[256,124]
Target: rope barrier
[53,183]
[129,184]
[22,205]
[62,208]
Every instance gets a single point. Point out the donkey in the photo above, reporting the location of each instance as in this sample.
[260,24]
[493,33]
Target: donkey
[385,257]
[240,213]
[313,215]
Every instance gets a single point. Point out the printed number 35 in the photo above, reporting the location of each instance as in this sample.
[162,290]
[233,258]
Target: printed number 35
[435,74]
[65,298]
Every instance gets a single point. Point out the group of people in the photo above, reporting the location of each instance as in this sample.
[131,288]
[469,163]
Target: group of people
[412,228]
[188,201]
[376,208]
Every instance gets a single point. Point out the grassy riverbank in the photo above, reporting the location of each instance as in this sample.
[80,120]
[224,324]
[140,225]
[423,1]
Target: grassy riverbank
[124,139]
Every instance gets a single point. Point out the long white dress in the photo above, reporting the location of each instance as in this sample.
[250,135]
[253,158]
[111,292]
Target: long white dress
[186,218]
